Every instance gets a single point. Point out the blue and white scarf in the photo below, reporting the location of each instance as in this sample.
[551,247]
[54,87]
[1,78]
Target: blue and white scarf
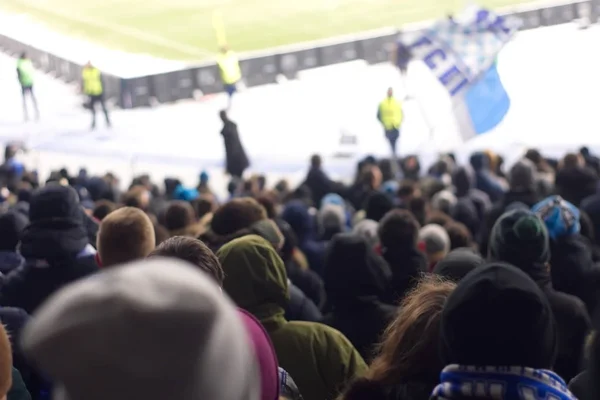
[500,383]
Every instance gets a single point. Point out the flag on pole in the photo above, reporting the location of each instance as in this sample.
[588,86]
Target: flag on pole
[462,51]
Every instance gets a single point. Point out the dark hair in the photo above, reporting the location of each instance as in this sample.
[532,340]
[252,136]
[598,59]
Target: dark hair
[193,251]
[398,228]
[407,188]
[178,215]
[103,208]
[459,234]
[267,202]
[571,160]
[439,218]
[236,215]
[418,207]
[316,161]
[202,206]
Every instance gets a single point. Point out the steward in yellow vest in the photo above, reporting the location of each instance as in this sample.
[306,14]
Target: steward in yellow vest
[25,73]
[93,86]
[229,68]
[390,115]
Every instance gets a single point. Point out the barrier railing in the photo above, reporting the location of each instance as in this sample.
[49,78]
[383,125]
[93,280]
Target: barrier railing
[266,66]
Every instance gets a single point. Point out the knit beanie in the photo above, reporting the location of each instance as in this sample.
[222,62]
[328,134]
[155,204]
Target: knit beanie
[498,316]
[560,216]
[520,238]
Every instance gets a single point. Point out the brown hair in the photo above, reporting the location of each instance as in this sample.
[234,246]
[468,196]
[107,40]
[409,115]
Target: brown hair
[103,208]
[125,235]
[236,215]
[193,251]
[5,362]
[409,349]
[178,215]
[398,228]
[459,234]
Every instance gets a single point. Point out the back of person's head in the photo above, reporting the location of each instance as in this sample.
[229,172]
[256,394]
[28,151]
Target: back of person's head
[459,235]
[255,276]
[434,242]
[438,218]
[522,177]
[138,196]
[534,156]
[103,208]
[572,160]
[331,221]
[560,217]
[353,270]
[179,215]
[316,161]
[398,229]
[367,229]
[236,215]
[12,225]
[407,190]
[520,238]
[268,204]
[55,203]
[419,208]
[409,348]
[125,235]
[498,316]
[194,252]
[84,340]
[458,263]
[444,201]
[203,206]
[378,204]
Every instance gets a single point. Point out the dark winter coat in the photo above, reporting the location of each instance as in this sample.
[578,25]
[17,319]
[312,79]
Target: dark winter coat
[485,180]
[407,266]
[319,184]
[235,155]
[356,280]
[575,184]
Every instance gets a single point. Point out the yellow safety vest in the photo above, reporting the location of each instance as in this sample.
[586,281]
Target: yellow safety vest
[92,81]
[390,113]
[230,68]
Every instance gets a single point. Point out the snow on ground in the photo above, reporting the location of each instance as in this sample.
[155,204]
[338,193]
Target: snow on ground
[549,73]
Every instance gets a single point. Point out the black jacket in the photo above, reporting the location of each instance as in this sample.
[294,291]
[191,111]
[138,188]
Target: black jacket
[575,184]
[319,184]
[363,389]
[235,155]
[356,279]
[407,266]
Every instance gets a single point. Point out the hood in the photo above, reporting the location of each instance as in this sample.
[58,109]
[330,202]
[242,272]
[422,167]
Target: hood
[560,216]
[498,316]
[56,230]
[480,161]
[458,264]
[463,180]
[266,229]
[255,276]
[297,215]
[353,271]
[12,225]
[83,338]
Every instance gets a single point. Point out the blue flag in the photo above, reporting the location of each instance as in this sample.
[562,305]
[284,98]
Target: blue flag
[462,52]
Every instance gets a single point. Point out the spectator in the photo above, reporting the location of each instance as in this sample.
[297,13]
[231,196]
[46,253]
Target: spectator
[105,356]
[544,172]
[444,201]
[459,235]
[457,264]
[356,282]
[472,204]
[317,180]
[367,229]
[138,197]
[573,269]
[521,239]
[103,208]
[485,179]
[398,233]
[574,181]
[55,248]
[194,252]
[591,161]
[434,242]
[180,220]
[407,365]
[378,204]
[297,215]
[407,191]
[419,208]
[438,218]
[331,220]
[369,181]
[522,190]
[10,388]
[125,235]
[320,359]
[513,343]
[12,225]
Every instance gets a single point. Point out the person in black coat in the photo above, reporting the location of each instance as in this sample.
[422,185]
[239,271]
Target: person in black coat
[356,280]
[236,159]
[398,234]
[520,238]
[12,225]
[318,182]
[575,181]
[55,247]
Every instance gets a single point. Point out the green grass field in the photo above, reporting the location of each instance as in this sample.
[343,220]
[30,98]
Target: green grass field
[183,29]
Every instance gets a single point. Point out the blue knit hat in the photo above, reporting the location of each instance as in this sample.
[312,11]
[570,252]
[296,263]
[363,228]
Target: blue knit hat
[333,199]
[185,194]
[560,216]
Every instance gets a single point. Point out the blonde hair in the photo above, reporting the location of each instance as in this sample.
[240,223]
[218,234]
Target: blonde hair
[409,349]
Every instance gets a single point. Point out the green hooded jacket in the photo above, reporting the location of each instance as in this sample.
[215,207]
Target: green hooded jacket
[320,359]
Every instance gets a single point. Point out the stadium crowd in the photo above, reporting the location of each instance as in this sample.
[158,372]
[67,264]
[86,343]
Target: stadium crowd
[456,282]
